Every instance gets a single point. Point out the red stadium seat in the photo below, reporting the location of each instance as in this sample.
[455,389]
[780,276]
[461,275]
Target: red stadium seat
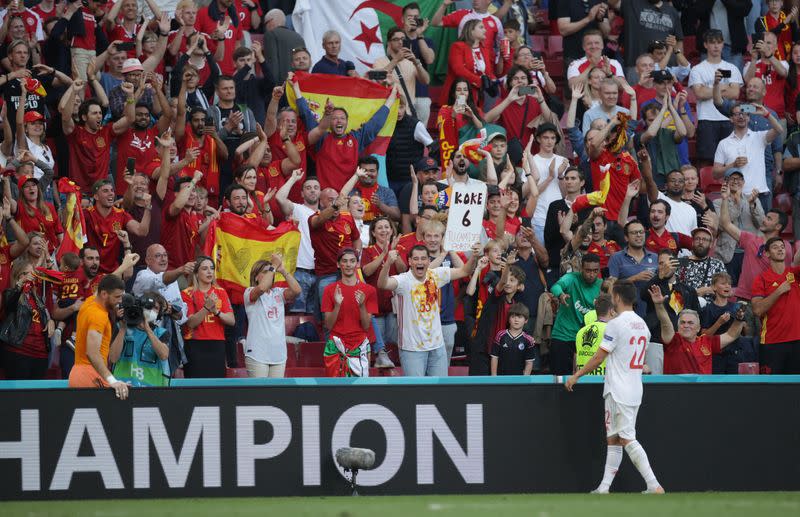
[555,45]
[458,371]
[53,373]
[385,372]
[555,66]
[539,43]
[707,180]
[690,48]
[235,373]
[310,354]
[304,372]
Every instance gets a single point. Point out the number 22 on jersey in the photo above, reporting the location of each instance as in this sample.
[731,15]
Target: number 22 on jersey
[637,359]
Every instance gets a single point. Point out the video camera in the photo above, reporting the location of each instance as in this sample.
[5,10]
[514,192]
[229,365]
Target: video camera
[133,308]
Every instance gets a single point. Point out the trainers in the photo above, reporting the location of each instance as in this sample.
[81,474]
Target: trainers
[383,361]
[55,339]
[71,343]
[599,491]
[655,490]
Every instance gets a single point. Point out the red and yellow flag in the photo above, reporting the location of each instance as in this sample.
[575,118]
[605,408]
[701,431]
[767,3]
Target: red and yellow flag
[360,97]
[74,223]
[238,242]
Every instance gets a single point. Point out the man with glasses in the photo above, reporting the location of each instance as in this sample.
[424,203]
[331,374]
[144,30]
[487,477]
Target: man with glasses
[414,29]
[755,261]
[744,149]
[403,67]
[634,263]
[712,126]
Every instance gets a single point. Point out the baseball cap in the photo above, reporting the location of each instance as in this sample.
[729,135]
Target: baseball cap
[25,179]
[426,164]
[700,229]
[131,65]
[32,116]
[733,170]
[548,126]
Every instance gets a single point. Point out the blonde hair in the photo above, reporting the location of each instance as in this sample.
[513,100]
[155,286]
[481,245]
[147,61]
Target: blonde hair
[197,263]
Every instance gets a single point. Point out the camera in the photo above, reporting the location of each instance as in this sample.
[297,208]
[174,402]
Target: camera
[133,308]
[377,75]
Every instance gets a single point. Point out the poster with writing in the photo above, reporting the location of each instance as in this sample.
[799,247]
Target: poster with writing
[465,218]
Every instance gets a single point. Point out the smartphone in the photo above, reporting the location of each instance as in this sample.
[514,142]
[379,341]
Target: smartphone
[125,46]
[130,166]
[461,100]
[209,120]
[507,252]
[527,90]
[407,43]
[726,74]
[748,108]
[419,21]
[377,75]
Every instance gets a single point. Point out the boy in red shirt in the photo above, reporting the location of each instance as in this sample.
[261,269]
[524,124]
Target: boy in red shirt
[348,306]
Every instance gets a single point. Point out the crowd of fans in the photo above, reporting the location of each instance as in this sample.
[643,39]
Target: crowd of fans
[631,157]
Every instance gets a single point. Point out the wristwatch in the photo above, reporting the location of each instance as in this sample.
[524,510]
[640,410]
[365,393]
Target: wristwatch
[676,51]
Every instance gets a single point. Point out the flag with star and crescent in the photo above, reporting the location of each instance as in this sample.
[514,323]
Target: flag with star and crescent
[363,25]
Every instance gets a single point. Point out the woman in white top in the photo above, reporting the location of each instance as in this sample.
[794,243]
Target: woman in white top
[30,125]
[355,205]
[265,345]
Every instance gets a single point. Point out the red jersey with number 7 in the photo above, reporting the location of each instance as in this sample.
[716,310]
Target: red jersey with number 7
[334,235]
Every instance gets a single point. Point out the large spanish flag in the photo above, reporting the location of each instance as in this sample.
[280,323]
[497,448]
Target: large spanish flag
[236,244]
[74,223]
[360,97]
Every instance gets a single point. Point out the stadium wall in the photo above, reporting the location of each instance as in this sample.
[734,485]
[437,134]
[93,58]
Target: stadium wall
[496,435]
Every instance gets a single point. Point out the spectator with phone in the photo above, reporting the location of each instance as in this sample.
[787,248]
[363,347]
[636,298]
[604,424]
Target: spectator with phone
[713,126]
[402,68]
[717,317]
[414,28]
[679,295]
[198,68]
[662,53]
[744,149]
[520,109]
[767,66]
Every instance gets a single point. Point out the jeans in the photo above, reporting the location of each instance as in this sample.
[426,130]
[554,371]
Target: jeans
[306,301]
[449,333]
[766,200]
[430,363]
[539,231]
[385,331]
[323,282]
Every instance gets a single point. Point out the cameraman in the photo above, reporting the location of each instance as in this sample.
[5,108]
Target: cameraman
[142,359]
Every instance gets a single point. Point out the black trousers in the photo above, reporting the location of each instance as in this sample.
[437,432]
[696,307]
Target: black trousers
[206,359]
[20,367]
[562,357]
[780,358]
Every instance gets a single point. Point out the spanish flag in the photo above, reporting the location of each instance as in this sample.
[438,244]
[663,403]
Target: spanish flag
[237,242]
[360,97]
[74,223]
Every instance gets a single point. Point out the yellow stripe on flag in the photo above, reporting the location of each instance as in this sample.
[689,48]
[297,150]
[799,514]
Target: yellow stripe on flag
[236,255]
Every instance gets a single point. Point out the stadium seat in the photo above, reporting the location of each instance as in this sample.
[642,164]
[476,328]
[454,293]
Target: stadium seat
[707,180]
[235,373]
[304,372]
[458,371]
[539,43]
[690,47]
[53,373]
[555,45]
[178,374]
[555,66]
[385,372]
[310,354]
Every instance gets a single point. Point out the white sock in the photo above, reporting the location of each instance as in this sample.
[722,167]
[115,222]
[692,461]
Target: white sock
[613,459]
[639,458]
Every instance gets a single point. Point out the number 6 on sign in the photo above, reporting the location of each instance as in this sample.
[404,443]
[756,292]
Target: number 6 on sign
[464,221]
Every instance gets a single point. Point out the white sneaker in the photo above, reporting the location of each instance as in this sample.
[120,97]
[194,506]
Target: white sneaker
[599,491]
[383,361]
[656,490]
[55,339]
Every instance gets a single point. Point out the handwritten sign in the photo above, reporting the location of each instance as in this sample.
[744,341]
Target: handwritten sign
[465,218]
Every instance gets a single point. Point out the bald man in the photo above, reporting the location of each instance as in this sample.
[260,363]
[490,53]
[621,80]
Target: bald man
[278,44]
[157,278]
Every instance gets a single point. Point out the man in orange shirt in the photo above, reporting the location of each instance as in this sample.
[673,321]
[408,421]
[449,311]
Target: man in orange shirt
[93,339]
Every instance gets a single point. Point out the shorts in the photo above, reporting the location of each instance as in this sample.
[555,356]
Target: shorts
[85,376]
[620,419]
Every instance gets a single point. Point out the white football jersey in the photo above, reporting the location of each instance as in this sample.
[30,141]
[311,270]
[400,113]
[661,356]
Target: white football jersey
[625,340]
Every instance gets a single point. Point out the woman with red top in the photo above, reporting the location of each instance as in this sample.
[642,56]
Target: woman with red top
[382,238]
[36,252]
[468,59]
[209,310]
[34,214]
[792,87]
[27,358]
[517,111]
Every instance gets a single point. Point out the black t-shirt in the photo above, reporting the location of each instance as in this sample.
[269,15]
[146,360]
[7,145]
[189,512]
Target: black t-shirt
[512,353]
[645,23]
[575,10]
[711,313]
[34,101]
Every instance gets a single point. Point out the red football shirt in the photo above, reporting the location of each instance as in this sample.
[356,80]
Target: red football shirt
[680,356]
[34,343]
[348,324]
[89,155]
[101,232]
[337,158]
[5,266]
[87,40]
[604,252]
[336,234]
[204,23]
[384,296]
[666,240]
[776,85]
[183,230]
[279,153]
[405,243]
[490,22]
[47,223]
[212,328]
[779,324]
[139,145]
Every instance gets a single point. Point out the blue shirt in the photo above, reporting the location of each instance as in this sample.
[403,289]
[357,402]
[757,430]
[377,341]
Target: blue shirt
[621,266]
[326,66]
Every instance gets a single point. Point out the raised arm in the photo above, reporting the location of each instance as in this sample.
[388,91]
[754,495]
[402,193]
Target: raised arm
[384,280]
[725,223]
[667,330]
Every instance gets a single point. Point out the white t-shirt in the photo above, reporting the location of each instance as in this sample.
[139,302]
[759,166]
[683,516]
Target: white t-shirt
[148,280]
[305,254]
[552,192]
[419,325]
[40,152]
[682,218]
[752,146]
[625,339]
[266,330]
[703,73]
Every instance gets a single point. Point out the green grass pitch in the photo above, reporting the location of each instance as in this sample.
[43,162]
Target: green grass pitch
[729,504]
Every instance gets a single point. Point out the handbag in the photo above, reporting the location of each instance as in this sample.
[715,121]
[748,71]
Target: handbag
[14,327]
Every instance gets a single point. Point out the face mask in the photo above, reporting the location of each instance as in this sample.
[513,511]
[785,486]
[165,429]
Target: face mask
[150,315]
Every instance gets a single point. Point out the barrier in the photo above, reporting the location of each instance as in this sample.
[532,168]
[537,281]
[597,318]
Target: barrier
[255,437]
